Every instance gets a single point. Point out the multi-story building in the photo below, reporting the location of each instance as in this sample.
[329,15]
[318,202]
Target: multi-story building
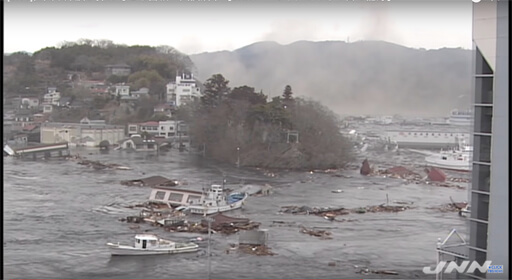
[86,133]
[184,89]
[489,194]
[52,97]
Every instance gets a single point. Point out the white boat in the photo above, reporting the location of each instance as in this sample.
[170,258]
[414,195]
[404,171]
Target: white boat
[461,117]
[216,201]
[458,159]
[150,244]
[210,201]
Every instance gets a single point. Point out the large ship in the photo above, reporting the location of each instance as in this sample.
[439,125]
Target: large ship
[461,117]
[423,139]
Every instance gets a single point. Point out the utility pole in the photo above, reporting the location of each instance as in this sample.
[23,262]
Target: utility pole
[209,220]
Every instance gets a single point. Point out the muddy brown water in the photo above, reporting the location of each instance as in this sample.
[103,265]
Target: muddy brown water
[58,215]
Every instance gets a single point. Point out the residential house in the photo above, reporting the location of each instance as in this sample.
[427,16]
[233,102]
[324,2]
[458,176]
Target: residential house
[149,127]
[47,108]
[40,118]
[52,97]
[184,89]
[30,102]
[168,128]
[32,132]
[118,69]
[64,101]
[140,144]
[121,90]
[142,92]
[52,90]
[165,109]
[23,116]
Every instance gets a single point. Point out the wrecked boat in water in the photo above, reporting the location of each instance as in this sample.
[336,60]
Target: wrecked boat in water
[211,200]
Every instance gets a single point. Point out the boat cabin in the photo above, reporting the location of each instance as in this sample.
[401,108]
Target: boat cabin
[149,241]
[175,197]
[215,193]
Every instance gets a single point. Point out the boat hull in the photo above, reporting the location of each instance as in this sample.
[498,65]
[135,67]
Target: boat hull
[121,250]
[466,167]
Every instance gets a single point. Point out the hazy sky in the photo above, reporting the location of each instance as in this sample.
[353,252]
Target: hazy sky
[206,26]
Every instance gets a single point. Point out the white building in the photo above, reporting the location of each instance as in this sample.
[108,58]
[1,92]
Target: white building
[31,102]
[52,97]
[182,90]
[122,90]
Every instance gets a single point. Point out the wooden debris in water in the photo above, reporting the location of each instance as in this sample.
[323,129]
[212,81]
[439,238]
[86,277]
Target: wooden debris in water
[258,250]
[323,234]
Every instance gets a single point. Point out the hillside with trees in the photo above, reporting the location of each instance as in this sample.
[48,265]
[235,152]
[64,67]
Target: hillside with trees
[367,77]
[240,126]
[72,64]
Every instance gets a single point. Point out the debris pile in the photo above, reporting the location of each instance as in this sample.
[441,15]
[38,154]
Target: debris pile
[381,208]
[323,234]
[283,224]
[435,175]
[306,210]
[96,165]
[448,207]
[153,181]
[365,168]
[459,180]
[258,250]
[367,271]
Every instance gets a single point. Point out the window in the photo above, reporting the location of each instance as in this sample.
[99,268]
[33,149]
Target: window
[162,128]
[133,128]
[414,133]
[160,195]
[175,197]
[193,198]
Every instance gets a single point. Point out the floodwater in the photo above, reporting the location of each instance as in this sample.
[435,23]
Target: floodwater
[58,215]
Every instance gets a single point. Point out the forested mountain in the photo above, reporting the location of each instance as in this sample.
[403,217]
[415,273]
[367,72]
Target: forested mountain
[371,77]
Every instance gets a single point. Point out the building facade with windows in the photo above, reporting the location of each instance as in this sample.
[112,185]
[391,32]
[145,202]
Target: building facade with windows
[489,193]
[184,89]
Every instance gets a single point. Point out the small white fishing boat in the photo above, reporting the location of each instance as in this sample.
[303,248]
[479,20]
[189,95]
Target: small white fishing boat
[150,244]
[458,159]
[216,201]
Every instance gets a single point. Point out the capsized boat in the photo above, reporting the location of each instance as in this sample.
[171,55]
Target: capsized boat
[150,244]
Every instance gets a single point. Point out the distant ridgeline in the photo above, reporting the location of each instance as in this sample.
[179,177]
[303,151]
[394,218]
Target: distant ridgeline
[366,77]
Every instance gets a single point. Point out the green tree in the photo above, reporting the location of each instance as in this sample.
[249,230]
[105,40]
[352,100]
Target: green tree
[248,94]
[216,90]
[287,94]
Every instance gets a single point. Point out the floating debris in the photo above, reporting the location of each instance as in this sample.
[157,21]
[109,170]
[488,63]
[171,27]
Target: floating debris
[258,250]
[323,234]
[152,181]
[96,165]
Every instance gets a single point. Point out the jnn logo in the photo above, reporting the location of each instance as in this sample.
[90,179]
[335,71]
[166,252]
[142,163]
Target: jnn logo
[463,267]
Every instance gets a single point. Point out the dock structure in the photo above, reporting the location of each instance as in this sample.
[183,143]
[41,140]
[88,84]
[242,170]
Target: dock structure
[39,151]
